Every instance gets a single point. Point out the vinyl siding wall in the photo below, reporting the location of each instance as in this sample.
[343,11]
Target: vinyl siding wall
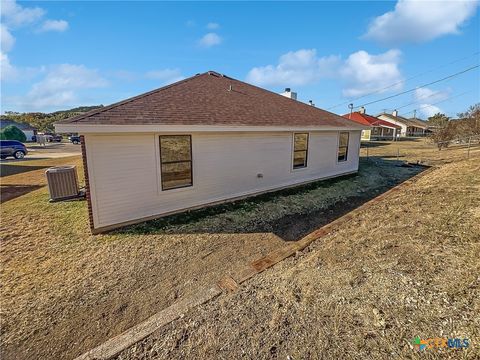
[124,170]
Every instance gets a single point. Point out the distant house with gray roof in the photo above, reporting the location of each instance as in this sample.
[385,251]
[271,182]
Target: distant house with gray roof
[409,127]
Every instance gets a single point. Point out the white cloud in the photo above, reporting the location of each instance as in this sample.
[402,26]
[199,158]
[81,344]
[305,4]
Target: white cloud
[425,94]
[361,72]
[418,21]
[212,26]
[12,73]
[6,39]
[15,15]
[295,68]
[364,73]
[428,110]
[9,72]
[61,86]
[166,76]
[54,25]
[210,39]
[426,97]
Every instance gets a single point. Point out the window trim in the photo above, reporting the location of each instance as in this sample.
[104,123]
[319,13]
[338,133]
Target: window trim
[347,146]
[293,168]
[175,162]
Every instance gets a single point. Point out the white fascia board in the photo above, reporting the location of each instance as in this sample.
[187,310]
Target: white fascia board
[91,129]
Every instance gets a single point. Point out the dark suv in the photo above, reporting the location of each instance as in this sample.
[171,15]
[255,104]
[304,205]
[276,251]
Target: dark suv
[12,148]
[75,139]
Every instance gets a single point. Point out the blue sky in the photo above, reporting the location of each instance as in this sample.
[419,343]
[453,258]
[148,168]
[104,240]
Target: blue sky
[57,55]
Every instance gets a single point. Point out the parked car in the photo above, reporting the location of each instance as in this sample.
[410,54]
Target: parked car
[12,148]
[54,138]
[74,139]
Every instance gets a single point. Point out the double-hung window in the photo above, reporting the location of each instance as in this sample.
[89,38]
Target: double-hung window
[343,146]
[300,150]
[176,161]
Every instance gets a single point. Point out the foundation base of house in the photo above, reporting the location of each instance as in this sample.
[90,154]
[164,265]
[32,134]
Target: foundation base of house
[108,228]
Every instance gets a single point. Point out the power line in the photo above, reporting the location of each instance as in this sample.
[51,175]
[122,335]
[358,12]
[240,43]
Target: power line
[415,88]
[419,100]
[402,81]
[438,102]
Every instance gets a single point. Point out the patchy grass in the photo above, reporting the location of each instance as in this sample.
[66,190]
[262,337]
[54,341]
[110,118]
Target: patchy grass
[407,266]
[64,290]
[265,212]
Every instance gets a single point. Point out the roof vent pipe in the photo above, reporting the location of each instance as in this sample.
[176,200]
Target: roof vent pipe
[395,112]
[230,87]
[287,90]
[311,102]
[361,110]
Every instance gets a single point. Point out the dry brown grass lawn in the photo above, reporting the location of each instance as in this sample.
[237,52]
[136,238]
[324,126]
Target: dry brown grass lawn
[408,266]
[421,150]
[65,291]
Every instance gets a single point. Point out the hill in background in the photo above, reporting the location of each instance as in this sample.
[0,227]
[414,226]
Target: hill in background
[43,122]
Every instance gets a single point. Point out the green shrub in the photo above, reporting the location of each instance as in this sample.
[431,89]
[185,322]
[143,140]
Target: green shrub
[11,132]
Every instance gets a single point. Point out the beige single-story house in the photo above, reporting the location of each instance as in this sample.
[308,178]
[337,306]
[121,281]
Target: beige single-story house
[202,141]
[409,127]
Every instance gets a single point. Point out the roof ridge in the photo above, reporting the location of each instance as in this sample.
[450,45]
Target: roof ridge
[126,101]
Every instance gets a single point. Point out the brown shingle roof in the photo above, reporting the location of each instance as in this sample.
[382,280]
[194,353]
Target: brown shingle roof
[206,99]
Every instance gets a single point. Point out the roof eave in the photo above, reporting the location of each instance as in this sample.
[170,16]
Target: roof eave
[156,128]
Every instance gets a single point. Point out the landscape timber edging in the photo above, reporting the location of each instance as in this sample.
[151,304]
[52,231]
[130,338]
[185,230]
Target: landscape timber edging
[133,335]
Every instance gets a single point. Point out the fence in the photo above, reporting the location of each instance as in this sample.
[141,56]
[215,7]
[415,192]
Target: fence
[422,150]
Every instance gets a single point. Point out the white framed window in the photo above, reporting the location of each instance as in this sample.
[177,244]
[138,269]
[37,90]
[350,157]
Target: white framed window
[343,138]
[300,150]
[176,161]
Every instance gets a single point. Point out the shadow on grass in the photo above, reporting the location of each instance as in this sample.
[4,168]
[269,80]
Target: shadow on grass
[7,169]
[9,192]
[247,216]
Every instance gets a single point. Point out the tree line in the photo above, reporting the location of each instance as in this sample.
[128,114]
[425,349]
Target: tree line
[43,122]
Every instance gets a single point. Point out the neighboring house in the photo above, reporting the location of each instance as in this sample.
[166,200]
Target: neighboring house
[410,127]
[202,141]
[379,129]
[29,131]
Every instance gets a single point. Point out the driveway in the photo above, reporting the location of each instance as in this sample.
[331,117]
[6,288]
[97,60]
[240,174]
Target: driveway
[49,151]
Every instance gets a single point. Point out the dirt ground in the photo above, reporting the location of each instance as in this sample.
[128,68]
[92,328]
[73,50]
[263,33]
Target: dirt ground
[65,291]
[407,266]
